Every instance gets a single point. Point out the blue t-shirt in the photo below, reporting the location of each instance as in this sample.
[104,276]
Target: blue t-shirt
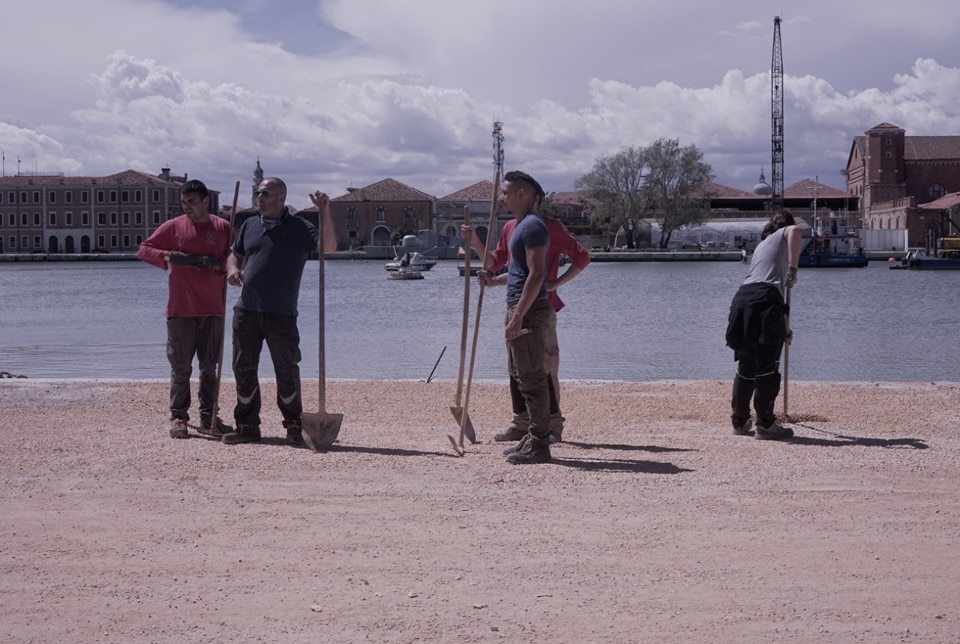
[274,263]
[530,232]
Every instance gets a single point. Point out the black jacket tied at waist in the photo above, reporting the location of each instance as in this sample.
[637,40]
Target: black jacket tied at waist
[757,321]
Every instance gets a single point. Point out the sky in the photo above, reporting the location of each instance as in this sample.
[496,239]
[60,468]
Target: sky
[331,94]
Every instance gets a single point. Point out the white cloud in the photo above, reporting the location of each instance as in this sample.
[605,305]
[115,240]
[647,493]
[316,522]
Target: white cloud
[411,89]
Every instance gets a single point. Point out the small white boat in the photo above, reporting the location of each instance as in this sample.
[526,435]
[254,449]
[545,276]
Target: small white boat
[405,273]
[415,261]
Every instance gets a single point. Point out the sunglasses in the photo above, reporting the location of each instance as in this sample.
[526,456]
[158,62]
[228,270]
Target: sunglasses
[265,193]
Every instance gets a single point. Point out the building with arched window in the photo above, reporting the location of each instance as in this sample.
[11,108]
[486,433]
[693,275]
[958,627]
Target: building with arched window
[895,175]
[109,214]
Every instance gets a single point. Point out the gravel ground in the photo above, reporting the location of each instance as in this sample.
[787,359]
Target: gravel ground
[653,522]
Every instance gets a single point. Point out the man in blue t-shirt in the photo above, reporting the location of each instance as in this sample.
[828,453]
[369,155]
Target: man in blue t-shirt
[267,261]
[529,312]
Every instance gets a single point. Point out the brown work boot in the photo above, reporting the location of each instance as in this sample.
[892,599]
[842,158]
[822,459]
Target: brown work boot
[178,428]
[556,428]
[509,434]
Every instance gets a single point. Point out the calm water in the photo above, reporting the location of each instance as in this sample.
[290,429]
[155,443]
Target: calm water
[624,321]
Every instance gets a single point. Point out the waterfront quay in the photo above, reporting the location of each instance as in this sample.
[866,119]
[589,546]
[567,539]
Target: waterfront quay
[595,256]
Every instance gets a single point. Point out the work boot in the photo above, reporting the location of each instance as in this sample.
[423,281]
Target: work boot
[519,446]
[556,428]
[509,434]
[536,450]
[294,432]
[178,428]
[517,429]
[243,434]
[214,430]
[746,429]
[775,432]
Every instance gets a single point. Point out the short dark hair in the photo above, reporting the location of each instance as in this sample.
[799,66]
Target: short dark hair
[780,219]
[195,187]
[517,175]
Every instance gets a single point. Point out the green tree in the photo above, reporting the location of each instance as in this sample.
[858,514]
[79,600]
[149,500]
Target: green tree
[674,186]
[662,183]
[616,183]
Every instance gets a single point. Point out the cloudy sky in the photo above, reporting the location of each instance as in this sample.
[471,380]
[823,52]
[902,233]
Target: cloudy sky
[336,93]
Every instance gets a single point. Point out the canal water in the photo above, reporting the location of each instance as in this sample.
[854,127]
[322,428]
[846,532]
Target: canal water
[641,321]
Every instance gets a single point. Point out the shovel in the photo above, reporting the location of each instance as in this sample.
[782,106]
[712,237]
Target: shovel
[476,321]
[216,397]
[459,414]
[320,430]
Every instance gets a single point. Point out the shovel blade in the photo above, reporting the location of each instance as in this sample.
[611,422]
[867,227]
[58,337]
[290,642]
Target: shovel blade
[456,446]
[320,430]
[458,414]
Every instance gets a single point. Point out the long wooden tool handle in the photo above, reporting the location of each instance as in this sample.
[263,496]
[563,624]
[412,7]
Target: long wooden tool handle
[321,362]
[466,309]
[786,362]
[223,335]
[476,323]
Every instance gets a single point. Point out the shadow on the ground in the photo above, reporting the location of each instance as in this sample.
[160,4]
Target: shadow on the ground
[842,440]
[626,448]
[278,441]
[617,465]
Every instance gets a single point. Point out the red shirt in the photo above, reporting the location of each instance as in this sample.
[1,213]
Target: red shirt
[194,292]
[561,243]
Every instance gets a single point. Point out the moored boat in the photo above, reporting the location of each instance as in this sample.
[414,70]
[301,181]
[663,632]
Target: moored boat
[918,260]
[405,274]
[414,260]
[428,243]
[832,245]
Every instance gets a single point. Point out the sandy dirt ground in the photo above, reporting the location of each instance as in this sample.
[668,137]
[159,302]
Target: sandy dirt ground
[653,523]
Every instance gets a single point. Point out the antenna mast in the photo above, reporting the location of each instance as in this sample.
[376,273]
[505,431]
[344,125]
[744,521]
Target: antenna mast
[498,148]
[776,118]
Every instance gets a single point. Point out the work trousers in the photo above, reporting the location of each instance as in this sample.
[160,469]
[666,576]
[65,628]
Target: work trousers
[250,330]
[188,337]
[758,378]
[551,364]
[525,365]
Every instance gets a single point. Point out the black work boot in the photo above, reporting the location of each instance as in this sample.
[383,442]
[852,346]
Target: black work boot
[535,450]
[294,432]
[519,446]
[243,434]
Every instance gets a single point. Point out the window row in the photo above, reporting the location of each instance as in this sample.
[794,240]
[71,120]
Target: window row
[68,219]
[102,196]
[38,242]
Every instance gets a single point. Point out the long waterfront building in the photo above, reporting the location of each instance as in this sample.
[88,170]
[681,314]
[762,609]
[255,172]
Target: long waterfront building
[110,214]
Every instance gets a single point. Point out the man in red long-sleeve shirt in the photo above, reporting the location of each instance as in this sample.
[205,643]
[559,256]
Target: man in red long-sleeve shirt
[562,243]
[193,249]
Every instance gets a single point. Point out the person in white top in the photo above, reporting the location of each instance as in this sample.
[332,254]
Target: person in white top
[757,328]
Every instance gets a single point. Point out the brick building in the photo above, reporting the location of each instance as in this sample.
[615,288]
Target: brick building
[369,216]
[108,214]
[478,198]
[895,175]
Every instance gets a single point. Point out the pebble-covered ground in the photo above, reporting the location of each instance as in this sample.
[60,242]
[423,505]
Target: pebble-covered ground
[653,522]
